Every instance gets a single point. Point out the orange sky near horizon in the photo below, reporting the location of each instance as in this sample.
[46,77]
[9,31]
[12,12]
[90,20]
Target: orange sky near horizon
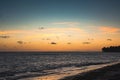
[59,39]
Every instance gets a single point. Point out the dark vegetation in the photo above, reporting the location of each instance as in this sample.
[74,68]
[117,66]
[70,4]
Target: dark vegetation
[111,49]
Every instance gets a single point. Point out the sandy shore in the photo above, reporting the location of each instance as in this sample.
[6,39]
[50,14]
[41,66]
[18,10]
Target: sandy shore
[110,72]
[93,72]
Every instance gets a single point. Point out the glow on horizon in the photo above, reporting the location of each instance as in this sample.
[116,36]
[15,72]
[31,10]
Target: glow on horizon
[70,38]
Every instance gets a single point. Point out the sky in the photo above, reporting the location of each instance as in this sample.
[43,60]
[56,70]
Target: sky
[59,25]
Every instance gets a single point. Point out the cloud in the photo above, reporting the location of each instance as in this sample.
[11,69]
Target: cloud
[10,32]
[109,29]
[69,43]
[90,39]
[20,42]
[69,35]
[40,28]
[109,39]
[47,38]
[53,43]
[4,36]
[69,24]
[66,23]
[63,30]
[86,42]
[5,46]
[57,37]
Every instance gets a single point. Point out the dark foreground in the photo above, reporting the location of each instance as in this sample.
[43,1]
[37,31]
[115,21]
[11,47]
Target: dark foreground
[105,73]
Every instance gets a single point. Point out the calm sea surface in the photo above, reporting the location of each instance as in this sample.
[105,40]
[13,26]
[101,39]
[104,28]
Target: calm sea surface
[24,64]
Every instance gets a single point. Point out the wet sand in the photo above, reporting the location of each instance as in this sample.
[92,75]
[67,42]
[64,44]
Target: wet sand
[93,72]
[111,72]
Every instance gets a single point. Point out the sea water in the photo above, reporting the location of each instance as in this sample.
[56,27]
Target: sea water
[18,65]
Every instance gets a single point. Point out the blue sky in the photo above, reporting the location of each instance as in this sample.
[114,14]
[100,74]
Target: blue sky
[14,13]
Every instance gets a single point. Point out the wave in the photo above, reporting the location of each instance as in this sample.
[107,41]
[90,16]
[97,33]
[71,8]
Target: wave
[35,71]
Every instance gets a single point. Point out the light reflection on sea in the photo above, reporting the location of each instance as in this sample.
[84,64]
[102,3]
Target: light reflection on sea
[69,72]
[20,65]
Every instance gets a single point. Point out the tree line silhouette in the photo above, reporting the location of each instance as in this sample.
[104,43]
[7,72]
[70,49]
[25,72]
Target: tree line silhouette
[111,49]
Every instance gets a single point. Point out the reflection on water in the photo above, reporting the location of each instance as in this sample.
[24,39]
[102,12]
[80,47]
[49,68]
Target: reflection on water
[69,72]
[18,65]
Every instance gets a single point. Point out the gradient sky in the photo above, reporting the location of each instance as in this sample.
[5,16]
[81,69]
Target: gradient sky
[59,25]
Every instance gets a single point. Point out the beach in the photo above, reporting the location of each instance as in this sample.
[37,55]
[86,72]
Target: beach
[110,72]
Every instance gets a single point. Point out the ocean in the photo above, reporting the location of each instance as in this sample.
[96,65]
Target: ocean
[19,65]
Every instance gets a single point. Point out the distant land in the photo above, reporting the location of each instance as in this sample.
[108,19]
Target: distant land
[111,49]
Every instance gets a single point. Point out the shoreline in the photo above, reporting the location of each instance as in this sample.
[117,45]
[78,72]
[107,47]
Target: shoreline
[72,73]
[110,72]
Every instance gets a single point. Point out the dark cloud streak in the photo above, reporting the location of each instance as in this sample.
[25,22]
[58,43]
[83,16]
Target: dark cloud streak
[20,42]
[109,39]
[5,37]
[68,43]
[86,42]
[53,43]
[40,28]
